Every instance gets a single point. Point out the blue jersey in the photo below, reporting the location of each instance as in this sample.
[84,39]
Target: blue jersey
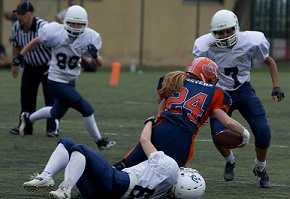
[192,105]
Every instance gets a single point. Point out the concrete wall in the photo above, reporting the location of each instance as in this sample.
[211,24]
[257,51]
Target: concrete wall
[169,27]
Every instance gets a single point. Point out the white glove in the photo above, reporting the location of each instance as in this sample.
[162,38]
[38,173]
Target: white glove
[246,137]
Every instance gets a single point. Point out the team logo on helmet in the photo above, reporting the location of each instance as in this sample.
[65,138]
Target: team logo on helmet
[204,69]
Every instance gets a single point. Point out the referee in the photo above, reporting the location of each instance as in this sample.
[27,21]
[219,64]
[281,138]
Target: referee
[34,64]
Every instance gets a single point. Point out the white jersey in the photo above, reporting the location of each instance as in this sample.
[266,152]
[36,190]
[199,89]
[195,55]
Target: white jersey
[159,173]
[64,65]
[234,63]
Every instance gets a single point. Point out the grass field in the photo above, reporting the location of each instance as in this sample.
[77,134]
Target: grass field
[119,114]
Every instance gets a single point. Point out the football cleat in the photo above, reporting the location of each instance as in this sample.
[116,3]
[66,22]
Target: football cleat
[105,143]
[14,131]
[264,180]
[53,132]
[229,173]
[25,124]
[38,182]
[60,193]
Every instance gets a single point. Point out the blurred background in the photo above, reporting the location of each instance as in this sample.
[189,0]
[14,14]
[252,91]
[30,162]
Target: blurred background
[161,32]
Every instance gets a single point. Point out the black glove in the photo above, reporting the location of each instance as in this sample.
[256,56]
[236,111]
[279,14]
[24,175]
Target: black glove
[18,60]
[93,51]
[277,92]
[150,119]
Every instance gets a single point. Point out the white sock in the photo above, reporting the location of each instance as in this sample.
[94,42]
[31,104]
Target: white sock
[57,161]
[42,113]
[260,165]
[92,127]
[74,170]
[231,158]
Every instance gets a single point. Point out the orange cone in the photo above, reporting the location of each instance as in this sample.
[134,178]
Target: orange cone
[115,74]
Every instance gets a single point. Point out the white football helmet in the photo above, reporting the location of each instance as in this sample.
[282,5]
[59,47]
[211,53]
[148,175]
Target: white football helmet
[221,20]
[190,184]
[75,20]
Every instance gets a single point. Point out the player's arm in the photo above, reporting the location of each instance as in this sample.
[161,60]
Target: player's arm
[277,93]
[145,139]
[32,44]
[231,124]
[15,65]
[220,105]
[94,53]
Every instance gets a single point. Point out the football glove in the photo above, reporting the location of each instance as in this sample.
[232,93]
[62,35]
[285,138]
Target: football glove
[278,93]
[18,60]
[150,119]
[93,51]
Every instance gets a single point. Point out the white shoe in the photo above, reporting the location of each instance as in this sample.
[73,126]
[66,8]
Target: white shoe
[38,182]
[60,193]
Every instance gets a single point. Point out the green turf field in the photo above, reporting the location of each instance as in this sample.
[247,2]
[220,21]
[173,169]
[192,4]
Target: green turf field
[119,114]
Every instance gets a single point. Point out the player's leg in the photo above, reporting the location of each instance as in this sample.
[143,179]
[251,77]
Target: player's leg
[93,175]
[167,137]
[87,112]
[57,161]
[254,113]
[74,100]
[229,171]
[51,123]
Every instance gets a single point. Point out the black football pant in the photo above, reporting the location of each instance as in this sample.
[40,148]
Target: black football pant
[32,77]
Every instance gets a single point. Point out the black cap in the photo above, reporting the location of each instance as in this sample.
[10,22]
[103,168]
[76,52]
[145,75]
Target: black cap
[24,7]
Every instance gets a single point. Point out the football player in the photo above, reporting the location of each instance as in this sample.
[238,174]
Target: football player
[69,42]
[187,100]
[96,178]
[234,51]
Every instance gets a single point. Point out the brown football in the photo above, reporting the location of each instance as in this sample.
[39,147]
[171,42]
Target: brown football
[228,139]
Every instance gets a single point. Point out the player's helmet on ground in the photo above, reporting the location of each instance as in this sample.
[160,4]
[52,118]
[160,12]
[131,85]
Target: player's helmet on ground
[203,69]
[190,184]
[224,20]
[75,21]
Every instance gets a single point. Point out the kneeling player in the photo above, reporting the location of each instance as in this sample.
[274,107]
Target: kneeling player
[187,100]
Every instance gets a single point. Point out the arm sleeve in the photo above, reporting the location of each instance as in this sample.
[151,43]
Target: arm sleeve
[96,40]
[221,100]
[201,45]
[13,35]
[46,34]
[262,48]
[160,168]
[197,52]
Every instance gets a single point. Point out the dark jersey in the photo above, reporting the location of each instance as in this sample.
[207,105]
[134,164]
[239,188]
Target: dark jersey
[193,104]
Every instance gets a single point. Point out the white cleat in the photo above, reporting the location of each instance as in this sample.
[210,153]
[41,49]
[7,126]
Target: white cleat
[38,182]
[60,193]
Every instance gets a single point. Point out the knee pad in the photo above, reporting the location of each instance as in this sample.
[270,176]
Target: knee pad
[67,143]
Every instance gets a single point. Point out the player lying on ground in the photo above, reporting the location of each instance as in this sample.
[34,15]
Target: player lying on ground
[96,178]
[187,100]
[69,42]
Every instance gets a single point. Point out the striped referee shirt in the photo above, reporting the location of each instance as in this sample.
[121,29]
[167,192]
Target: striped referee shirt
[38,56]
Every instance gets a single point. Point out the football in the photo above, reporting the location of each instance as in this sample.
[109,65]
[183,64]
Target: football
[228,139]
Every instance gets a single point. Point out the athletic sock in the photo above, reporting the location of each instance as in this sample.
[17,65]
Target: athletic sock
[92,127]
[57,161]
[74,170]
[260,165]
[231,158]
[42,113]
